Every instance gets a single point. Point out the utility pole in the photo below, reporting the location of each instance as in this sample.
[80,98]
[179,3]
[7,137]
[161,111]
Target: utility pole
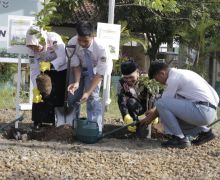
[111,11]
[107,77]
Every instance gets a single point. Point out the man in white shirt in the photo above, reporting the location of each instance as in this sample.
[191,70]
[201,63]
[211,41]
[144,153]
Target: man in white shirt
[89,65]
[188,104]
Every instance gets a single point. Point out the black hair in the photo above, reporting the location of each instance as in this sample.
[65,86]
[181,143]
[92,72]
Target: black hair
[128,67]
[155,68]
[84,28]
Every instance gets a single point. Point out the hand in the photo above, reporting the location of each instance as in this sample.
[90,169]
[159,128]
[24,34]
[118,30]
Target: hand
[128,120]
[150,115]
[125,87]
[44,66]
[37,97]
[84,97]
[73,87]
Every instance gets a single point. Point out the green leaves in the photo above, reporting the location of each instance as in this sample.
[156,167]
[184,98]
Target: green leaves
[159,5]
[153,86]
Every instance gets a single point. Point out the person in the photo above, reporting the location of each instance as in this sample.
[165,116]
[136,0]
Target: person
[89,65]
[187,106]
[47,57]
[133,96]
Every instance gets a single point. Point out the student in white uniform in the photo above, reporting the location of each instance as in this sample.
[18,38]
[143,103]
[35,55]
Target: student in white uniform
[188,104]
[89,66]
[48,56]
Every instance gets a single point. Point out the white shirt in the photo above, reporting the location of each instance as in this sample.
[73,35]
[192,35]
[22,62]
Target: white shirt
[99,55]
[54,51]
[189,85]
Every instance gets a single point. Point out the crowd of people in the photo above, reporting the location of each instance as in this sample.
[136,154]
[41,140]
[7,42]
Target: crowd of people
[187,105]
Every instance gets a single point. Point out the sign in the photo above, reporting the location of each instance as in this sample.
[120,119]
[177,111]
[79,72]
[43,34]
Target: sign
[17,28]
[3,33]
[110,35]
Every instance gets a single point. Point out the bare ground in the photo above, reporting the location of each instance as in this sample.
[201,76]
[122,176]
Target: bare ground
[55,154]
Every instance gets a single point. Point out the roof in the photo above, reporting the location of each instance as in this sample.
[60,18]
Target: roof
[85,11]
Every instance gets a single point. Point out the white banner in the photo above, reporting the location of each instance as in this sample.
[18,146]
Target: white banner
[110,35]
[17,28]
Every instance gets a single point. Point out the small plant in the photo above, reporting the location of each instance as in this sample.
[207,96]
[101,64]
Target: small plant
[153,86]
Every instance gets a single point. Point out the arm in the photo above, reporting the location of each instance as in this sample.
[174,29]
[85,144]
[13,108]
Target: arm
[58,45]
[77,74]
[150,116]
[122,100]
[61,57]
[95,81]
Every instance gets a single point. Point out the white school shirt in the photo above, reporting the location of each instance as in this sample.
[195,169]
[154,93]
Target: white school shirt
[190,85]
[98,52]
[54,52]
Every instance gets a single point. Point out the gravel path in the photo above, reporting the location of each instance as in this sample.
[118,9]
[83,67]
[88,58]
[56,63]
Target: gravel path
[58,156]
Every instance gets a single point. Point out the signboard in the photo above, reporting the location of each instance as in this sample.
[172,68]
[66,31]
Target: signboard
[17,29]
[110,35]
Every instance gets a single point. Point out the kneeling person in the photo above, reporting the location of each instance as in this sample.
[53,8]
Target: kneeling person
[132,95]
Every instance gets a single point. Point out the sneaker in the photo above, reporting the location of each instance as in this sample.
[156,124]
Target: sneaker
[176,142]
[204,137]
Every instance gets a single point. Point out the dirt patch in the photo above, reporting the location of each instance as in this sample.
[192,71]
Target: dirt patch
[56,154]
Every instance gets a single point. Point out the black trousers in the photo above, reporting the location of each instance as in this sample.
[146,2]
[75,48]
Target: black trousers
[44,112]
[135,108]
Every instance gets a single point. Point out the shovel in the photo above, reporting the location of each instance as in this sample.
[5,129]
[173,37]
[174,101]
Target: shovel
[69,55]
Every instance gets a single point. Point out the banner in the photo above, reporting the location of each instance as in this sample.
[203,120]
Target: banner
[17,29]
[110,35]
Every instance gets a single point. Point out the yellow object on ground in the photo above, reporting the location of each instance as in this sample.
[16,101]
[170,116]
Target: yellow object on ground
[37,97]
[44,66]
[128,120]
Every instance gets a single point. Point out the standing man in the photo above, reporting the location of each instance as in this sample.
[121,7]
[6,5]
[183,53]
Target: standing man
[89,66]
[188,104]
[133,96]
[48,64]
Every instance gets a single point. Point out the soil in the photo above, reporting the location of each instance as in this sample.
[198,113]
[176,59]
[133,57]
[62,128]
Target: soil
[54,153]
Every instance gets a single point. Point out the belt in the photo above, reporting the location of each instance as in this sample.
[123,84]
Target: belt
[206,104]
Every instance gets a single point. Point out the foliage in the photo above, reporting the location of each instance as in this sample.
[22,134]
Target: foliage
[6,71]
[7,99]
[46,14]
[159,5]
[153,86]
[127,36]
[200,30]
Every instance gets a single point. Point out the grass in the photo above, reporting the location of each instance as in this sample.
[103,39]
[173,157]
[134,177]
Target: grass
[7,96]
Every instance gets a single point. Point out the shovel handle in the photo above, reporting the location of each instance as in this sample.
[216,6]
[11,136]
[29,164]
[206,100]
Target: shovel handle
[118,129]
[70,47]
[17,119]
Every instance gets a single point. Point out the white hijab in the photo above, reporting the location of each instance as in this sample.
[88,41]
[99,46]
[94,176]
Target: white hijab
[34,38]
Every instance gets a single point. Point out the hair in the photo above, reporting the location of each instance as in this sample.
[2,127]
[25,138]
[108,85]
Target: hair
[84,28]
[155,68]
[128,67]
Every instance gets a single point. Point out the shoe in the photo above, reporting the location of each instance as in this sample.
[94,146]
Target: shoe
[204,137]
[176,142]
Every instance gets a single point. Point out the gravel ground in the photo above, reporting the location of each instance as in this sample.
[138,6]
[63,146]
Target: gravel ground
[57,155]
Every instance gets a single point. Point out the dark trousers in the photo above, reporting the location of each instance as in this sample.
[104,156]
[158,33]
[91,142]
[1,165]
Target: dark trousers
[135,108]
[44,112]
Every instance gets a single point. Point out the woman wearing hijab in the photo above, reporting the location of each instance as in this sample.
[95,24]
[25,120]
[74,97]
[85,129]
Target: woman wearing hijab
[47,63]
